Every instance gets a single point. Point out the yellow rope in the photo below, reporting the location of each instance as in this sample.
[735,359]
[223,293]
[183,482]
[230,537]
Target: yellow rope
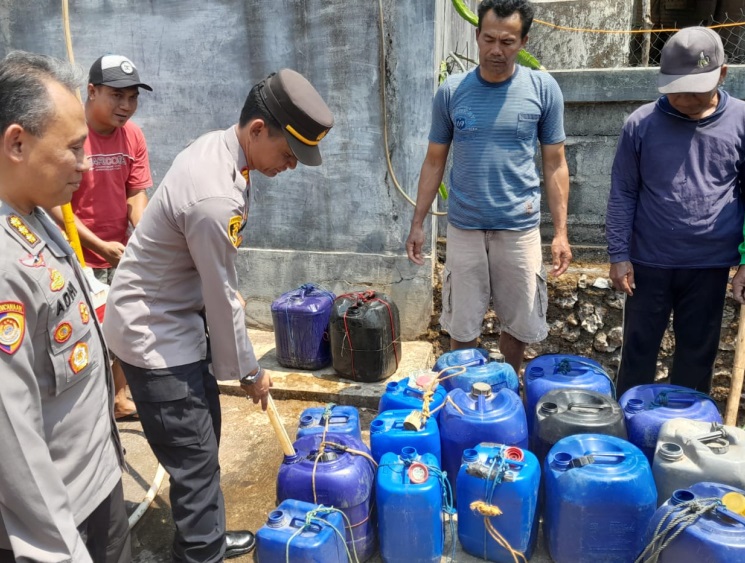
[631,31]
[322,450]
[517,556]
[485,509]
[429,392]
[67,214]
[490,510]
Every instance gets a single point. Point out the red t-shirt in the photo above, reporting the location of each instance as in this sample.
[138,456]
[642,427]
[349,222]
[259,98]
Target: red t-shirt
[119,163]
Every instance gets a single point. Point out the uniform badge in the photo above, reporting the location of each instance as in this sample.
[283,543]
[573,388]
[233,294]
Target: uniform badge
[85,314]
[234,227]
[56,281]
[63,332]
[17,224]
[12,326]
[33,261]
[79,357]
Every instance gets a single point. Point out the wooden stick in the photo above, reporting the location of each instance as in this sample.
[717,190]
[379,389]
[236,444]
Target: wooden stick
[735,387]
[279,429]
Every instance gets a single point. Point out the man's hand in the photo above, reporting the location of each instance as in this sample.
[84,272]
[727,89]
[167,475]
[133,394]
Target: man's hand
[561,253]
[414,245]
[738,285]
[622,276]
[112,251]
[240,299]
[259,390]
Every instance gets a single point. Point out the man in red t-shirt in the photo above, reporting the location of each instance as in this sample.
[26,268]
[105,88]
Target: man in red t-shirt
[112,195]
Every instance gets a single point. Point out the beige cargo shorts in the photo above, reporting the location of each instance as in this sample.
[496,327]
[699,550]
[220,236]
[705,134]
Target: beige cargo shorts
[504,266]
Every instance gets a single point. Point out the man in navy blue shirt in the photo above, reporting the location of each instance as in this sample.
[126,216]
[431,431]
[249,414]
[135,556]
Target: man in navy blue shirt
[675,213]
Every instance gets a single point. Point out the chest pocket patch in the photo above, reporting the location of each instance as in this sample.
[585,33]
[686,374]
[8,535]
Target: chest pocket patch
[527,126]
[72,349]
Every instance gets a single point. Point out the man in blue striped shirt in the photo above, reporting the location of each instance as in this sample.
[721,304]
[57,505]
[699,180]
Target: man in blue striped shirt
[493,117]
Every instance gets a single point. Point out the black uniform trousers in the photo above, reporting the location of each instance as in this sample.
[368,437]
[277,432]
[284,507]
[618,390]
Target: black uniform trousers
[696,299]
[179,408]
[105,532]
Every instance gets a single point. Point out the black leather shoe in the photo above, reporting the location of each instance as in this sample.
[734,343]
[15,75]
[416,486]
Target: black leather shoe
[238,543]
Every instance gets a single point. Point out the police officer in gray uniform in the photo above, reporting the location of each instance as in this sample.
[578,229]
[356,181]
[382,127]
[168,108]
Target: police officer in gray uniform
[177,270]
[60,478]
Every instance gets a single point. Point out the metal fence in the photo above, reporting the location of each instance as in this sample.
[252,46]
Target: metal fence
[639,45]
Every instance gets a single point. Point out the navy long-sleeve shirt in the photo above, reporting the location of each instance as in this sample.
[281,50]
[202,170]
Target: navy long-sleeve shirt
[675,199]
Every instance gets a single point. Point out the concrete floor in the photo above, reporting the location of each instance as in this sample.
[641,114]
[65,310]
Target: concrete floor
[250,454]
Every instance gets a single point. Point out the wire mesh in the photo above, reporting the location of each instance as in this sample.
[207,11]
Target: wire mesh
[639,45]
[574,35]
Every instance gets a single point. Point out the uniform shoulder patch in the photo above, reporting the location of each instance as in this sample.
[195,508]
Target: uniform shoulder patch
[17,224]
[12,326]
[234,228]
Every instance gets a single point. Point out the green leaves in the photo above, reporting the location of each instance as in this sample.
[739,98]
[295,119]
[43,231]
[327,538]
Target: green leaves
[523,57]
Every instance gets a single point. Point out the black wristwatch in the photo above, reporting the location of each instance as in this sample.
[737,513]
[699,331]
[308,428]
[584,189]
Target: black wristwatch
[251,378]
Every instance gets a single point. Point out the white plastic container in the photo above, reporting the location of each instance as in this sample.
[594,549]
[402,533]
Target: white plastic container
[690,451]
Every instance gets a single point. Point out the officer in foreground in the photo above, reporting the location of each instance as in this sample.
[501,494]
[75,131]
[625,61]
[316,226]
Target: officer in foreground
[178,270]
[60,478]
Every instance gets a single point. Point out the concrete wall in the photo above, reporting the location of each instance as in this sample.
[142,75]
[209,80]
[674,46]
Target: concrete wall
[342,224]
[570,49]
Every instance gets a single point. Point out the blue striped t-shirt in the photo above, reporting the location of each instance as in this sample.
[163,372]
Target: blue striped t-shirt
[493,129]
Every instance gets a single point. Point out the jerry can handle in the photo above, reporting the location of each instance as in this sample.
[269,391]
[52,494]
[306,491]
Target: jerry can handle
[309,526]
[587,406]
[307,288]
[580,367]
[688,397]
[413,391]
[565,366]
[592,458]
[717,432]
[729,514]
[339,419]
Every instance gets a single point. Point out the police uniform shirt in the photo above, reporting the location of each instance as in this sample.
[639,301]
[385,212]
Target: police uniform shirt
[60,451]
[181,260]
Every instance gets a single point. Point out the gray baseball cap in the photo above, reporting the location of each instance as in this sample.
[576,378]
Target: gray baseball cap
[691,62]
[115,71]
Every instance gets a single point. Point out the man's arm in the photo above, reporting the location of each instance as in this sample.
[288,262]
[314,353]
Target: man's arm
[206,228]
[619,216]
[136,202]
[556,180]
[430,178]
[110,250]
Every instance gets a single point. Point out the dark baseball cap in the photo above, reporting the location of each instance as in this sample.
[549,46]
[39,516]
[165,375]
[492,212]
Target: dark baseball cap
[298,107]
[691,61]
[115,71]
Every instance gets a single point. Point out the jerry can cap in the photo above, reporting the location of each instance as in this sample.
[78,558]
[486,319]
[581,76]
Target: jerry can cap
[418,473]
[480,388]
[735,502]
